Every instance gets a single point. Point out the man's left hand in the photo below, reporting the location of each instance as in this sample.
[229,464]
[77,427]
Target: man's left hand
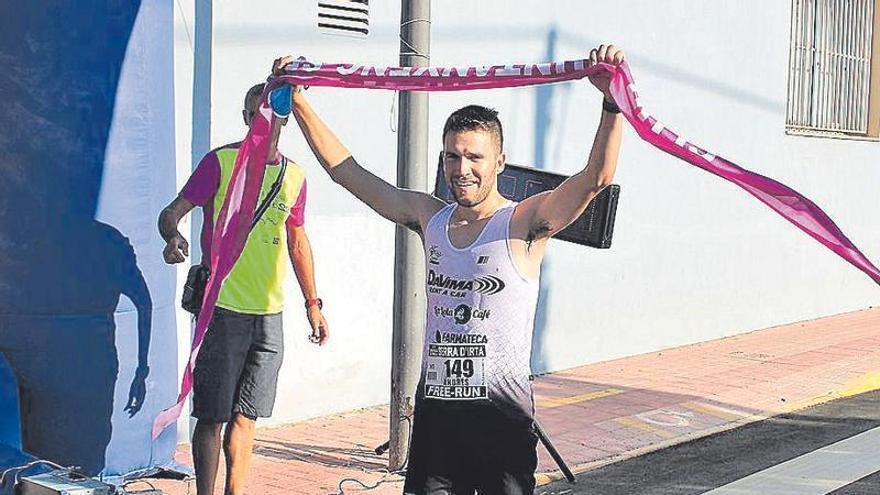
[320,330]
[608,54]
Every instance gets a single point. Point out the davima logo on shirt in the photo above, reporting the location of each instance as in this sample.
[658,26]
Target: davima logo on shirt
[448,286]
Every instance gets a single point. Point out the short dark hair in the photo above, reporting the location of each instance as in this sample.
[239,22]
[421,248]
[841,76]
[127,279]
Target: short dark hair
[475,117]
[252,97]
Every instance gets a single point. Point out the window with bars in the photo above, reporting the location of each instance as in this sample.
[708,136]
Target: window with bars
[834,68]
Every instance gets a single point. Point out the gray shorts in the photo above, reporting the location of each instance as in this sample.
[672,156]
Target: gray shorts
[237,367]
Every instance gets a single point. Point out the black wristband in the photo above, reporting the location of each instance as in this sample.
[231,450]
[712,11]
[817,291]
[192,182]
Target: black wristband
[610,106]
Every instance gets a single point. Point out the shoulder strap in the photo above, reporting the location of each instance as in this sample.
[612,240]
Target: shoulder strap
[270,196]
[435,229]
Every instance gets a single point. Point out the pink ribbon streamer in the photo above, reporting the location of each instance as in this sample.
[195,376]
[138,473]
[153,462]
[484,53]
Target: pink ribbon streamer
[793,206]
[230,234]
[237,212]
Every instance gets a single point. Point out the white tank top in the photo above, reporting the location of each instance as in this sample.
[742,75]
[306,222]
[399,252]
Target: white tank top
[481,314]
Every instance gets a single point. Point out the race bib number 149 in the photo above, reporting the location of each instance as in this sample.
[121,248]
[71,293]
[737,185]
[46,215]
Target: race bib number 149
[455,371]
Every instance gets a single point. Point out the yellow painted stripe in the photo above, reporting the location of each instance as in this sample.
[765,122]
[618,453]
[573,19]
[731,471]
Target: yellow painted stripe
[630,422]
[564,401]
[865,383]
[543,479]
[712,410]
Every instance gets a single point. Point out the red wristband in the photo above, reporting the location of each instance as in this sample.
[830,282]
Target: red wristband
[316,301]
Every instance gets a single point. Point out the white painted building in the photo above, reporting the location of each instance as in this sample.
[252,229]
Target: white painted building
[693,258]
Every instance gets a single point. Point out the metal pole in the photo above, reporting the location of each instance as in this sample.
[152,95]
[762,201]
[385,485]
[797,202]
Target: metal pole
[201,122]
[409,269]
[545,440]
[201,95]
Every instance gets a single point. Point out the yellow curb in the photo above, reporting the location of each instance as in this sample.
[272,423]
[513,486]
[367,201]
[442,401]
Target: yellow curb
[865,383]
[544,479]
[868,382]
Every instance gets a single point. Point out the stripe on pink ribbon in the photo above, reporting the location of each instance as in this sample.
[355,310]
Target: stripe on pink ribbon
[237,212]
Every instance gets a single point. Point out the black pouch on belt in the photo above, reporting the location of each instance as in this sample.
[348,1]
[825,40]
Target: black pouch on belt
[194,288]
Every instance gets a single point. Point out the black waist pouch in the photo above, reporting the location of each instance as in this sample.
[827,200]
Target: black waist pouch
[194,288]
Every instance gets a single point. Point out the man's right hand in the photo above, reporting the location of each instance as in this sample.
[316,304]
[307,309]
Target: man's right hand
[278,70]
[176,250]
[278,65]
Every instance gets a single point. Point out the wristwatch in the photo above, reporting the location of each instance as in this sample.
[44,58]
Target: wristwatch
[316,301]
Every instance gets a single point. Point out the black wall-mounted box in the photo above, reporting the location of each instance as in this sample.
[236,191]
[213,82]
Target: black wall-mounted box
[593,228]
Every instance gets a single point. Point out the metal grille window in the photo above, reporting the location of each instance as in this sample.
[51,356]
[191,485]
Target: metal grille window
[830,73]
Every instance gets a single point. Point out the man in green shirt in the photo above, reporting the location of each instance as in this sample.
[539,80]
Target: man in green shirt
[236,371]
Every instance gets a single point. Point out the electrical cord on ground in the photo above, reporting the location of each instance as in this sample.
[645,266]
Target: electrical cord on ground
[366,487]
[387,474]
[152,489]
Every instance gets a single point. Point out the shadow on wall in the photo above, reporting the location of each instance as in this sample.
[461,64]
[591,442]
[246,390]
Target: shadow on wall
[61,271]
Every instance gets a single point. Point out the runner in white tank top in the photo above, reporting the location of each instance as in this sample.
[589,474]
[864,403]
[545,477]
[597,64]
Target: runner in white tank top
[472,425]
[481,313]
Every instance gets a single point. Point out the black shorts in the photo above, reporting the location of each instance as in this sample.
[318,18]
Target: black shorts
[457,449]
[237,367]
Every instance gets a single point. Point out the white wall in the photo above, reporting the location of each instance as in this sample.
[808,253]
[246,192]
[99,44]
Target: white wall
[694,258]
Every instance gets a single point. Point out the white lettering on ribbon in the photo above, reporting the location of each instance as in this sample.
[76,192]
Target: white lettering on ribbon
[681,142]
[431,71]
[543,69]
[400,72]
[379,70]
[303,65]
[461,71]
[635,92]
[347,70]
[705,155]
[658,127]
[509,70]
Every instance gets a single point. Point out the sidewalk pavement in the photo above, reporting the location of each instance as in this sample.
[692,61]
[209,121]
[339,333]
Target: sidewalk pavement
[603,412]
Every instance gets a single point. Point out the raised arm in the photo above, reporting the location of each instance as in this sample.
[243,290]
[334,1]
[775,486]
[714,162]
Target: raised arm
[552,211]
[406,207]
